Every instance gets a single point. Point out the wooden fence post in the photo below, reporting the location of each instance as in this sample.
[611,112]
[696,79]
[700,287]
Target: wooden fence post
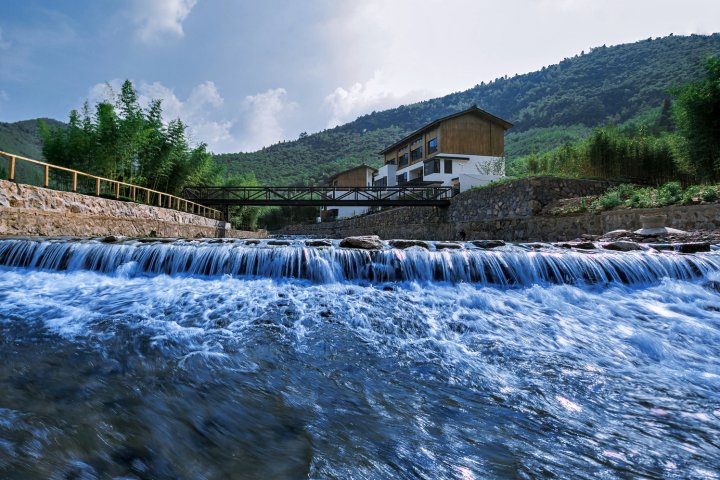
[97,187]
[12,169]
[46,180]
[74,182]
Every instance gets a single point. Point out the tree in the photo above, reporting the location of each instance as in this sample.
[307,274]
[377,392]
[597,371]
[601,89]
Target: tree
[697,116]
[123,141]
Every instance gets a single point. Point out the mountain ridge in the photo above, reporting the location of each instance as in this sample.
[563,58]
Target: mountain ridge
[550,106]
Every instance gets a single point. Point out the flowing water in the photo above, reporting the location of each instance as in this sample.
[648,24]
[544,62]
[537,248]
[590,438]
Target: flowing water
[234,360]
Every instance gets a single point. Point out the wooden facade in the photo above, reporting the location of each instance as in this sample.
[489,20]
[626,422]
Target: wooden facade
[353,177]
[470,132]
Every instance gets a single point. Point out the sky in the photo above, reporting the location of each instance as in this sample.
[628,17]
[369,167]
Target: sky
[247,74]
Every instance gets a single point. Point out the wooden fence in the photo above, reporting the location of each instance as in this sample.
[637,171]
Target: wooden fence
[67,179]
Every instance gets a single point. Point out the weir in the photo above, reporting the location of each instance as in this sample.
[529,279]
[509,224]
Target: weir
[509,266]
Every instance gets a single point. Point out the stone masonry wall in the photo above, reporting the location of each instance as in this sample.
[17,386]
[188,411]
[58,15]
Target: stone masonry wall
[31,210]
[509,211]
[520,198]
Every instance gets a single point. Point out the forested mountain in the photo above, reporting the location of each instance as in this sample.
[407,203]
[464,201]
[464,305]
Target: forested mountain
[23,138]
[548,107]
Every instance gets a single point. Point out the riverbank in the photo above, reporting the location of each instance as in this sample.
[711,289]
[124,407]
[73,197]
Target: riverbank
[520,211]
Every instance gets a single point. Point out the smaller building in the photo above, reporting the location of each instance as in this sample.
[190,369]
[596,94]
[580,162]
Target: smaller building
[462,150]
[360,176]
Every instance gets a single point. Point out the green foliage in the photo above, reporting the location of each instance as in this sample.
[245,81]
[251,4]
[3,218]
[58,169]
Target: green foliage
[697,115]
[275,217]
[701,193]
[611,153]
[23,138]
[244,217]
[122,141]
[670,193]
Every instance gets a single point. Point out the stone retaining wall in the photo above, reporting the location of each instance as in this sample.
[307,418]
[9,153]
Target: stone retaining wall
[509,211]
[31,210]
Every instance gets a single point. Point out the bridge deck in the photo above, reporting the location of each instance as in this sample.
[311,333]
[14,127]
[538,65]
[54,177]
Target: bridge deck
[416,196]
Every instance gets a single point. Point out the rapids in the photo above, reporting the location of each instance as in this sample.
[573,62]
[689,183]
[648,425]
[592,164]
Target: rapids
[235,360]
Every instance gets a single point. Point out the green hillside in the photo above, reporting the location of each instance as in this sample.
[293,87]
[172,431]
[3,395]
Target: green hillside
[23,138]
[559,103]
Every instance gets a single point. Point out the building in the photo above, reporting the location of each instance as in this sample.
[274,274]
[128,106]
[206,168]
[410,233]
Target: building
[463,150]
[361,176]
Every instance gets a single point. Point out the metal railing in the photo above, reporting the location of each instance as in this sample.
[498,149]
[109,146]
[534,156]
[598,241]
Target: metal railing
[67,179]
[407,195]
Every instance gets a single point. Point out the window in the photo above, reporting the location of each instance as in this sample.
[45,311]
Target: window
[403,159]
[402,149]
[401,178]
[432,166]
[448,166]
[416,154]
[432,146]
[380,182]
[390,162]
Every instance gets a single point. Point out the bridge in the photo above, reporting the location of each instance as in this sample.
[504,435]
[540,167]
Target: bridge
[400,196]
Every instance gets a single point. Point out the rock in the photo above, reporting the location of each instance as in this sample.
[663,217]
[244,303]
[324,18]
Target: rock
[622,246]
[109,239]
[587,236]
[693,247]
[488,244]
[535,246]
[617,234]
[402,244]
[366,242]
[577,245]
[278,243]
[662,247]
[447,245]
[318,243]
[535,206]
[252,242]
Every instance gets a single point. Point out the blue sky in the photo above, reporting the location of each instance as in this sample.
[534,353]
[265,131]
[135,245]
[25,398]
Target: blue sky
[246,74]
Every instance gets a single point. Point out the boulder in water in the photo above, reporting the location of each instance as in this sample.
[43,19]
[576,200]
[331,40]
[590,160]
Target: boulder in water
[278,243]
[318,243]
[252,242]
[693,247]
[447,245]
[402,244]
[488,244]
[365,242]
[622,246]
[109,239]
[578,245]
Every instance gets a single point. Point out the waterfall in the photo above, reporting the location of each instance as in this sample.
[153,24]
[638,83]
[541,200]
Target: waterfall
[509,266]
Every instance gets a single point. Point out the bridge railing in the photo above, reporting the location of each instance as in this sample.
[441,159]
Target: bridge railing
[319,195]
[17,168]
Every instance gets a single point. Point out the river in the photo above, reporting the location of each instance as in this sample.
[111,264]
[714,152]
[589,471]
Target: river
[223,360]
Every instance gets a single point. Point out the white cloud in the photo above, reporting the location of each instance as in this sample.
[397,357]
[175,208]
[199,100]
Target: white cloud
[199,111]
[348,104]
[158,19]
[266,112]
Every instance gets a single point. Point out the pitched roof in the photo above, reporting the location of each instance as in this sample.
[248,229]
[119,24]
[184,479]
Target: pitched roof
[474,110]
[353,169]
